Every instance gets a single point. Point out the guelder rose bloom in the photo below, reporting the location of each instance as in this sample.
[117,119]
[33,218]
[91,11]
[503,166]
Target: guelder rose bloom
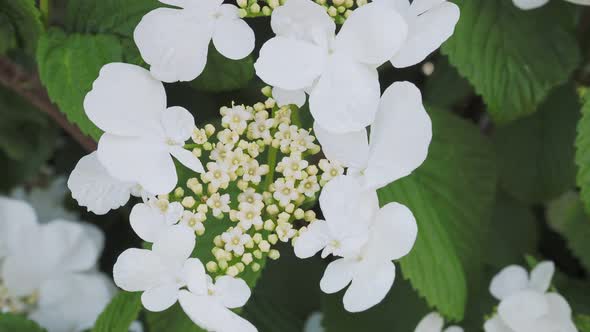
[525,303]
[339,72]
[175,42]
[141,134]
[532,4]
[433,322]
[398,144]
[366,237]
[55,264]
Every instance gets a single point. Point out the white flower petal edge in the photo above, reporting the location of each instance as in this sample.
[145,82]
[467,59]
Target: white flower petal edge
[434,322]
[289,97]
[175,42]
[530,4]
[140,133]
[399,142]
[340,71]
[150,219]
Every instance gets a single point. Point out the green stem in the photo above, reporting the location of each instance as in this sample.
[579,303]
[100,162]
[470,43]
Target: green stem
[272,164]
[45,8]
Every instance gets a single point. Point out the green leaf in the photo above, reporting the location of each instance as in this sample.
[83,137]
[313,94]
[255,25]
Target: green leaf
[68,64]
[445,87]
[20,25]
[583,323]
[173,320]
[583,155]
[536,154]
[451,196]
[512,57]
[223,74]
[18,323]
[120,313]
[566,216]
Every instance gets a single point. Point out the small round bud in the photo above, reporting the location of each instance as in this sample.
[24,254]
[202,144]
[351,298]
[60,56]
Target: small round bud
[242,3]
[290,208]
[270,103]
[255,267]
[312,170]
[332,11]
[257,238]
[309,216]
[264,246]
[255,8]
[267,90]
[179,192]
[209,130]
[218,241]
[269,225]
[232,271]
[266,11]
[299,214]
[272,209]
[258,254]
[247,258]
[222,265]
[274,254]
[197,152]
[273,239]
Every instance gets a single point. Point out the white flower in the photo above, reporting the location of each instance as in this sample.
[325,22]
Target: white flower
[217,174]
[260,128]
[331,169]
[248,215]
[253,172]
[93,187]
[340,71]
[525,304]
[219,204]
[285,191]
[175,42]
[285,231]
[532,4]
[48,200]
[286,134]
[314,323]
[430,23]
[161,272]
[309,186]
[194,221]
[140,132]
[209,304]
[433,322]
[293,166]
[236,119]
[55,261]
[235,240]
[399,140]
[151,219]
[250,196]
[304,141]
[222,152]
[287,97]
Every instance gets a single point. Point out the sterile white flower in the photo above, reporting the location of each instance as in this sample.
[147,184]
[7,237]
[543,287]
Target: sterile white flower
[141,134]
[398,144]
[48,200]
[339,72]
[162,271]
[533,4]
[93,187]
[525,303]
[56,263]
[433,322]
[175,42]
[208,304]
[430,23]
[149,220]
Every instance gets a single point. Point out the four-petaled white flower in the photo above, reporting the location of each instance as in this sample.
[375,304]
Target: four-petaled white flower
[141,134]
[235,240]
[525,303]
[339,72]
[249,215]
[54,262]
[433,322]
[149,220]
[175,42]
[398,144]
[532,4]
[219,204]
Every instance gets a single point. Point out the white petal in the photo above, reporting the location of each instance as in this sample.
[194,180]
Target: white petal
[369,287]
[187,158]
[541,276]
[338,275]
[94,188]
[394,232]
[372,34]
[419,7]
[351,149]
[495,324]
[314,239]
[289,97]
[233,292]
[346,96]
[433,322]
[195,276]
[559,309]
[16,219]
[530,4]
[22,278]
[173,213]
[160,297]
[233,37]
[175,44]
[175,245]
[400,136]
[178,124]
[139,270]
[520,311]
[290,64]
[140,160]
[510,280]
[211,315]
[305,20]
[427,33]
[125,100]
[147,222]
[580,2]
[453,329]
[344,205]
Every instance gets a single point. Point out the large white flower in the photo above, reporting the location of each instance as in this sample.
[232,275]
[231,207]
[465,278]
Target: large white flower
[433,322]
[525,304]
[141,134]
[56,262]
[47,200]
[399,140]
[149,220]
[175,42]
[208,304]
[532,4]
[430,22]
[340,71]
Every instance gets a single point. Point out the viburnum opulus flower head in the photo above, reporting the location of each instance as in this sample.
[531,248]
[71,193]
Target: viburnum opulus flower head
[526,304]
[49,270]
[533,4]
[338,71]
[398,144]
[175,42]
[433,322]
[141,134]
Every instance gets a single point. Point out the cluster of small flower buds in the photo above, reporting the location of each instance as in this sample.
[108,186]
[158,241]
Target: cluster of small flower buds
[256,8]
[242,204]
[15,305]
[339,10]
